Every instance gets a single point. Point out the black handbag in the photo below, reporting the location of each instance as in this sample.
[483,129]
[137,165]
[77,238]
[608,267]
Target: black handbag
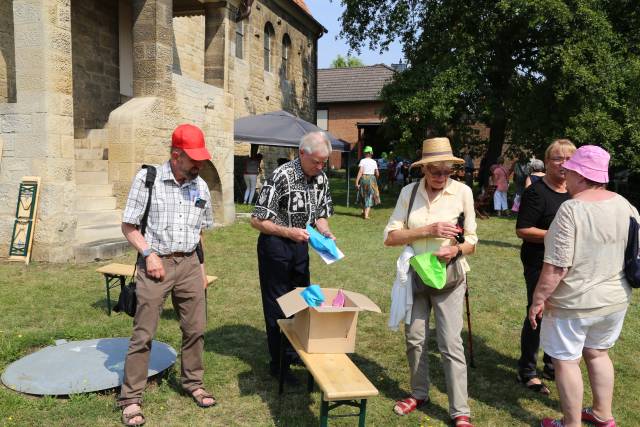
[456,275]
[128,300]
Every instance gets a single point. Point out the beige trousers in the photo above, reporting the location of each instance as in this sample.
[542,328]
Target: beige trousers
[447,309]
[183,280]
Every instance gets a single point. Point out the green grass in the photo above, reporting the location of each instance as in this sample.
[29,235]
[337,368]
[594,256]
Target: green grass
[44,302]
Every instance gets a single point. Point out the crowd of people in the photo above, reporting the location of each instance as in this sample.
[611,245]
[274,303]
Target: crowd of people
[574,234]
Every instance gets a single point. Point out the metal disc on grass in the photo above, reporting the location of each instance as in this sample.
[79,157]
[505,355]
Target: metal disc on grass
[80,366]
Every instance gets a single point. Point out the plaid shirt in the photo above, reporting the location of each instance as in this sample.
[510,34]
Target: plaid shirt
[174,221]
[289,200]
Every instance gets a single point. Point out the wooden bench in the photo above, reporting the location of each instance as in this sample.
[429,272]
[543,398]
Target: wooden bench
[339,379]
[116,274]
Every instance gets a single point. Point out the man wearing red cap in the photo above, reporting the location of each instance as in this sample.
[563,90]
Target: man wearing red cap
[180,209]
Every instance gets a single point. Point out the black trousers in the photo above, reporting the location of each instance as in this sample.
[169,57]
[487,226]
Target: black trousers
[530,338]
[283,265]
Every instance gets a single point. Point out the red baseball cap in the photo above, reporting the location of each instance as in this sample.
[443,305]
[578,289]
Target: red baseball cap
[190,139]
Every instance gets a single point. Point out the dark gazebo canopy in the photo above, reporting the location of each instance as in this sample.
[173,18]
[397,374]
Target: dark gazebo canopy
[279,128]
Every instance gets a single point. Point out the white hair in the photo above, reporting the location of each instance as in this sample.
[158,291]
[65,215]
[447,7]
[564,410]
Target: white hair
[316,142]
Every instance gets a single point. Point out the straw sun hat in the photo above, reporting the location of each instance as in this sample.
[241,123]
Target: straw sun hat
[437,150]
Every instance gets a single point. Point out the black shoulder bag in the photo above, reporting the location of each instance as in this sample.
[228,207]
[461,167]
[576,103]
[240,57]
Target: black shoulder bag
[455,272]
[128,301]
[632,255]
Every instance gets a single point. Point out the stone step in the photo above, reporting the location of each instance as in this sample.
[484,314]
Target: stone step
[100,250]
[94,190]
[110,216]
[95,204]
[92,178]
[91,233]
[92,165]
[91,154]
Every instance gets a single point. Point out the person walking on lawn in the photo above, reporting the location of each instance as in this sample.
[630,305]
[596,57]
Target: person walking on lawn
[180,209]
[296,194]
[538,207]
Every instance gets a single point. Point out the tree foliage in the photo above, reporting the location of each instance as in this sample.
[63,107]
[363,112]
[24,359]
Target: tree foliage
[531,70]
[346,62]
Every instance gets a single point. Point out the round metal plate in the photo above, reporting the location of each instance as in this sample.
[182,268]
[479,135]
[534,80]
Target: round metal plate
[80,367]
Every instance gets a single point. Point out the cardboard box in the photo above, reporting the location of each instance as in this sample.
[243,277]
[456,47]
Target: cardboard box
[326,329]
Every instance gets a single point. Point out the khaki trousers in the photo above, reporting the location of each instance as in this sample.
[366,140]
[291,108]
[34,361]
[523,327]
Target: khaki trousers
[447,309]
[183,279]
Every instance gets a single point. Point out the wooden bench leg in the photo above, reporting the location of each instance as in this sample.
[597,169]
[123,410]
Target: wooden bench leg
[324,411]
[363,413]
[106,280]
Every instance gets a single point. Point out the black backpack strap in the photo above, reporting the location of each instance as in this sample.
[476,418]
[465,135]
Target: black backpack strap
[148,183]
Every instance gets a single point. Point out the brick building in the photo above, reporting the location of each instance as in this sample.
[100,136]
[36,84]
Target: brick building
[92,89]
[349,105]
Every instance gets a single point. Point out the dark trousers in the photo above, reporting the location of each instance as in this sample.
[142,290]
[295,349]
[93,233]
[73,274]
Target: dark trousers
[283,265]
[530,338]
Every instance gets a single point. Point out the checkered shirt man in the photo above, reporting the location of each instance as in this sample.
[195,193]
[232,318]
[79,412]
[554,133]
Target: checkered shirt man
[174,222]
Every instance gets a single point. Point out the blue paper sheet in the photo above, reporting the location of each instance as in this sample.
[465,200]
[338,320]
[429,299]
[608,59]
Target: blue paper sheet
[322,244]
[313,295]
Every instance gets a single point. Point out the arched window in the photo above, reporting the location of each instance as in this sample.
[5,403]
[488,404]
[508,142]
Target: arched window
[286,52]
[268,46]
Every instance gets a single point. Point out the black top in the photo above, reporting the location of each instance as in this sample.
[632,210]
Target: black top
[289,199]
[538,207]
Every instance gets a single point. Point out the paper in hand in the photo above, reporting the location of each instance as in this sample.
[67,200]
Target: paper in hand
[324,246]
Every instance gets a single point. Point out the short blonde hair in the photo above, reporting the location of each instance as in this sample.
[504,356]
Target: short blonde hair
[560,144]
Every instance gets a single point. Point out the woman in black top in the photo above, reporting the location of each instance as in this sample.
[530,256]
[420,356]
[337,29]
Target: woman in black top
[538,207]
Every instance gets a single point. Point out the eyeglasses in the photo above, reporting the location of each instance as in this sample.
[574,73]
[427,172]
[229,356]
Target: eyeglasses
[440,173]
[559,160]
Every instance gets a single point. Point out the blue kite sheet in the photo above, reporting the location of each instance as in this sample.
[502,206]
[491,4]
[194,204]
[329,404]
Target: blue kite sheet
[324,246]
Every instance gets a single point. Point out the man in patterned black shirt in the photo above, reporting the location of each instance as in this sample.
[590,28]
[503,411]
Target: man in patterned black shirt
[296,194]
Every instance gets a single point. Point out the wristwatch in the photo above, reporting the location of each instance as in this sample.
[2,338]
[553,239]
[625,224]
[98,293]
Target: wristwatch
[146,252]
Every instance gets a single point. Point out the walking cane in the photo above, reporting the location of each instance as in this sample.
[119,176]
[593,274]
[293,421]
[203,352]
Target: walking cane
[466,298]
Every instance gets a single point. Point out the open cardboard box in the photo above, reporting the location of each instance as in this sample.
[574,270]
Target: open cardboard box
[326,329]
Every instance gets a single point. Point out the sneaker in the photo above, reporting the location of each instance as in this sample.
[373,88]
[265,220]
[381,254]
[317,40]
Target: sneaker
[550,422]
[590,417]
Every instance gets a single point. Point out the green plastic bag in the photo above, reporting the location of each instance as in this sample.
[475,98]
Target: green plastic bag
[431,270]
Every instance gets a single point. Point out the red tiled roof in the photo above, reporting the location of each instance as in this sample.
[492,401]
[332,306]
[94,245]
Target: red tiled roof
[302,5]
[352,84]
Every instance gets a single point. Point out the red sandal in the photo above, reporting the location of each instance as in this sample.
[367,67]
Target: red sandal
[408,405]
[462,421]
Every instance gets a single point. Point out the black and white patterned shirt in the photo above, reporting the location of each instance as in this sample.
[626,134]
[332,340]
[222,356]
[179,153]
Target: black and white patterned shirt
[177,212]
[289,200]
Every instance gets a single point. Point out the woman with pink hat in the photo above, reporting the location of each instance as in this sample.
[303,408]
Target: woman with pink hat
[582,288]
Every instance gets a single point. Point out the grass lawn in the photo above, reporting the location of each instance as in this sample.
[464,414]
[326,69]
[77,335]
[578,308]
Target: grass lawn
[45,302]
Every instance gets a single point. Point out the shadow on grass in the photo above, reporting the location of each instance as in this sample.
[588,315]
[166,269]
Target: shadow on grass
[491,382]
[249,345]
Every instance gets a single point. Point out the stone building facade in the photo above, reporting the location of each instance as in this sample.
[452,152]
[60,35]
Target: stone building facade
[92,89]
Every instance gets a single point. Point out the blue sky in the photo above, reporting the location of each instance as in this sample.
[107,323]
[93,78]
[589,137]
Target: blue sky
[328,13]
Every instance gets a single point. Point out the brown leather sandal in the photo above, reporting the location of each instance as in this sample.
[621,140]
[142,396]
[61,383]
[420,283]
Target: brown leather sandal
[126,418]
[199,398]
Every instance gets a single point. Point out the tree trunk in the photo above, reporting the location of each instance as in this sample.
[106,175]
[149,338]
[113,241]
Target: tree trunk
[497,126]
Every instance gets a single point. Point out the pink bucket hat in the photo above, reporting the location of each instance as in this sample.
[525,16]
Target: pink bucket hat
[590,161]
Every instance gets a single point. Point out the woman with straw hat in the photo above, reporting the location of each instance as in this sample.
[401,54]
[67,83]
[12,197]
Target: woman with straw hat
[424,220]
[366,182]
